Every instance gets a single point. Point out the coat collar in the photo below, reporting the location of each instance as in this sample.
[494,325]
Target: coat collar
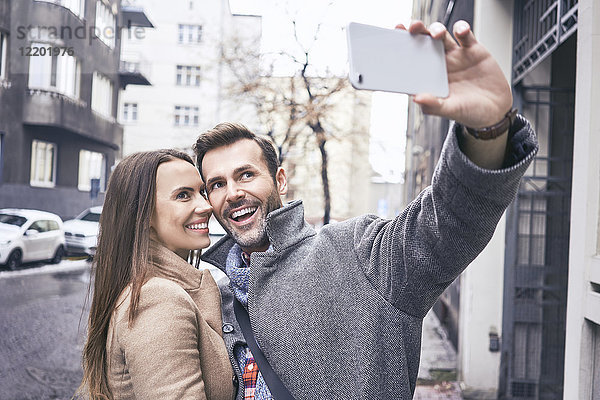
[285,227]
[169,265]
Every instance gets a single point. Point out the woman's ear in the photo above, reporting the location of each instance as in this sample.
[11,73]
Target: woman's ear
[281,181]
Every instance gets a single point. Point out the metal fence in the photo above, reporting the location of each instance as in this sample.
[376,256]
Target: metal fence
[536,271]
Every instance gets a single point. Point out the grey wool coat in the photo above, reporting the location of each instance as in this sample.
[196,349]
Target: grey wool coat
[339,313]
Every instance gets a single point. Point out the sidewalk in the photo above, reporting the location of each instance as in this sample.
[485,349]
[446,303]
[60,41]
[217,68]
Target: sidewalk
[437,371]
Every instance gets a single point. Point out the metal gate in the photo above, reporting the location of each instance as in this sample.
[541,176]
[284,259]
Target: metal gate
[537,253]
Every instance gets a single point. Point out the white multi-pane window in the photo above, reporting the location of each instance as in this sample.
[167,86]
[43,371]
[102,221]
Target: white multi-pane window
[92,165]
[102,94]
[43,164]
[59,73]
[106,24]
[3,44]
[130,112]
[187,115]
[190,34]
[76,6]
[188,75]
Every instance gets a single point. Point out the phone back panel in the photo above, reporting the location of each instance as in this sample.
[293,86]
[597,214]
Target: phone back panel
[393,60]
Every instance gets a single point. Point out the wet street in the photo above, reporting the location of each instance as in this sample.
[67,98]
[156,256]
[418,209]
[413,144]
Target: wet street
[43,333]
[42,338]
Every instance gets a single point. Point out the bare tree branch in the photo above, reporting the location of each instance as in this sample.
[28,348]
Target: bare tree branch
[298,112]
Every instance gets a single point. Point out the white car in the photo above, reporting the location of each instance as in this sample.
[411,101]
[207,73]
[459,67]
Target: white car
[81,233]
[30,235]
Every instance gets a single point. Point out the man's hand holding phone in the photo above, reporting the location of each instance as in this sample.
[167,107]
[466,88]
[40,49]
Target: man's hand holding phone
[478,94]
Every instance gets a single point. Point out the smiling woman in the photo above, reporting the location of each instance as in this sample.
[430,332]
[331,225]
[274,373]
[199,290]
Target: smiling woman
[155,320]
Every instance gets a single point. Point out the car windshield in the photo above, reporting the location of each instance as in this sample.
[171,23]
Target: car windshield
[12,219]
[91,217]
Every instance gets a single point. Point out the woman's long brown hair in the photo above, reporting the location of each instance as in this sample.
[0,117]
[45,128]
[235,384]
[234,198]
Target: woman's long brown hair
[121,257]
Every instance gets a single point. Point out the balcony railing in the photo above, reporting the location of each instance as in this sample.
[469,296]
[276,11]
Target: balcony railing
[133,73]
[52,109]
[540,27]
[57,95]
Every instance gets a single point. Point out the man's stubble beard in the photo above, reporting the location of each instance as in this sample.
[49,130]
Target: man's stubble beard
[256,235]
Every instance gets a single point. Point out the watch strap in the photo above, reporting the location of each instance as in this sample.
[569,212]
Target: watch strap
[492,132]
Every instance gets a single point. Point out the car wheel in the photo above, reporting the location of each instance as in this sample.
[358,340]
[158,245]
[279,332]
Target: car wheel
[14,259]
[58,256]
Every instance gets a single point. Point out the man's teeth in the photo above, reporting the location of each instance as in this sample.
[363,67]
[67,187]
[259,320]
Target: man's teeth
[243,212]
[203,225]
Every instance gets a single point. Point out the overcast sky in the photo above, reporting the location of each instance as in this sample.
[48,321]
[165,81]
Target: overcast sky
[388,115]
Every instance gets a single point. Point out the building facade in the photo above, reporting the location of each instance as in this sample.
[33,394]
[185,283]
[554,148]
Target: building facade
[59,87]
[425,137]
[528,305]
[181,58]
[582,339]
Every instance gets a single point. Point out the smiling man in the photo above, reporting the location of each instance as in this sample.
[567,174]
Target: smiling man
[338,313]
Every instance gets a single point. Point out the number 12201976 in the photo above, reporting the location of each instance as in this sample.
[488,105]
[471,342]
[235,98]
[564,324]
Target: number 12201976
[35,51]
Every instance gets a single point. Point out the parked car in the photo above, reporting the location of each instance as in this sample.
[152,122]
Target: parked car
[30,235]
[81,233]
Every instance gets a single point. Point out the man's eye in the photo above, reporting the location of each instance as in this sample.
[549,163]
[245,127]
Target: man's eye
[216,185]
[247,175]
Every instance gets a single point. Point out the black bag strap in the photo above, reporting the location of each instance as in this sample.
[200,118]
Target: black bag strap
[278,390]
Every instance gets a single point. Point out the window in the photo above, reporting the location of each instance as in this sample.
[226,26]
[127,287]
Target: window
[190,34]
[186,116]
[76,6]
[130,66]
[106,25]
[43,164]
[188,75]
[91,216]
[102,94]
[130,112]
[44,225]
[60,73]
[10,219]
[91,166]
[3,44]
[41,226]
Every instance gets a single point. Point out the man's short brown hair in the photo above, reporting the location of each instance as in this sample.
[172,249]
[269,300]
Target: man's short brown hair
[228,133]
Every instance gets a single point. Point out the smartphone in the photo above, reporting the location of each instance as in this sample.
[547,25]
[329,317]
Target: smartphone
[393,60]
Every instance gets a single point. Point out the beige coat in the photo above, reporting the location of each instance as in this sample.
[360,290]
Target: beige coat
[174,349]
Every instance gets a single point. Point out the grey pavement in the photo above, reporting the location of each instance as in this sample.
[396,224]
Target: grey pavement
[438,368]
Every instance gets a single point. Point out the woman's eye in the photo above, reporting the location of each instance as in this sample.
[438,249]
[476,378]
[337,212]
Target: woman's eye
[182,196]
